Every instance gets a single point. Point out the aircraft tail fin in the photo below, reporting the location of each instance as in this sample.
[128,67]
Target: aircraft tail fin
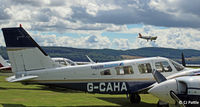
[139,35]
[23,52]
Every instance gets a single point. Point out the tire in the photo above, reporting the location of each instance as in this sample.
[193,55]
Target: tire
[135,98]
[162,104]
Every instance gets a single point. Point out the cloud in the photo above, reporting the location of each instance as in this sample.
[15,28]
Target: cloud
[90,41]
[176,7]
[66,15]
[180,19]
[181,38]
[3,13]
[148,12]
[121,43]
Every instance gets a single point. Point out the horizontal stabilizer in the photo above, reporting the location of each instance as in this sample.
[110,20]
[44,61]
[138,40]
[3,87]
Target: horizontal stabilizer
[6,68]
[13,79]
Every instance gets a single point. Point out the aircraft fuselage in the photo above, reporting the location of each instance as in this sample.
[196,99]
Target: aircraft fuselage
[92,78]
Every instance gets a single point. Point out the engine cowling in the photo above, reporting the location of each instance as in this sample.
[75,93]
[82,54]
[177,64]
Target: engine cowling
[162,90]
[183,87]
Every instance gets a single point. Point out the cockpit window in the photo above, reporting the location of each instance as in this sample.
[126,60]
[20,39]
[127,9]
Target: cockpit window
[145,68]
[178,66]
[61,62]
[163,66]
[70,62]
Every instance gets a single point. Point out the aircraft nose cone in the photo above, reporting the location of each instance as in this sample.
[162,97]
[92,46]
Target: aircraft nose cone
[162,90]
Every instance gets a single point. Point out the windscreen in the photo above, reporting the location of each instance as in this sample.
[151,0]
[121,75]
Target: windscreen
[178,66]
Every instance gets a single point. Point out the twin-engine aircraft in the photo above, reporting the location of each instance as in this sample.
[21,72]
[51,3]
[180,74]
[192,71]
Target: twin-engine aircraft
[6,67]
[182,91]
[68,62]
[31,65]
[147,37]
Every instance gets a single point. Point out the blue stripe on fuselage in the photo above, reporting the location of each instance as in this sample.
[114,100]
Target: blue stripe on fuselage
[105,87]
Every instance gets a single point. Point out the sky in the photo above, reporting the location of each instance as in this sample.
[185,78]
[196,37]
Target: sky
[99,24]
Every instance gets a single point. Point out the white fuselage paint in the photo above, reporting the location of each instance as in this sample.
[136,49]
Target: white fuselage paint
[87,73]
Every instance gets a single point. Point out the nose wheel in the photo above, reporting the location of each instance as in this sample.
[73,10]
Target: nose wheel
[162,104]
[135,98]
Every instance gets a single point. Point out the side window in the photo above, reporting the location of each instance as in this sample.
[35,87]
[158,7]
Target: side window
[128,70]
[105,72]
[145,68]
[124,70]
[163,66]
[63,62]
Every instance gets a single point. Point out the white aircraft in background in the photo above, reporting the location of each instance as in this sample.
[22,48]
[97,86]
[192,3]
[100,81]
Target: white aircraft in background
[31,65]
[4,66]
[68,62]
[183,91]
[147,37]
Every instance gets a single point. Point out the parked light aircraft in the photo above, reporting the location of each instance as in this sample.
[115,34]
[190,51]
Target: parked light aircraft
[147,37]
[4,66]
[64,61]
[31,65]
[183,91]
[68,62]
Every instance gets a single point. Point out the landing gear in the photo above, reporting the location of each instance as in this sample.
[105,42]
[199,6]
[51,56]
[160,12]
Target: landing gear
[134,98]
[162,104]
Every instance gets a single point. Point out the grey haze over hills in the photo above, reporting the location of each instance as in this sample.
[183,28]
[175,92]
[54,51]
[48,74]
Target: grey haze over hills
[103,55]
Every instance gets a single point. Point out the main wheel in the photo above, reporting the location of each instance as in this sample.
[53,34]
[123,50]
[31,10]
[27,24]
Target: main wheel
[135,98]
[162,104]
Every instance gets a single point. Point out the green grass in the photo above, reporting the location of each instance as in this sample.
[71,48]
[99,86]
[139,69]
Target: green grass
[19,95]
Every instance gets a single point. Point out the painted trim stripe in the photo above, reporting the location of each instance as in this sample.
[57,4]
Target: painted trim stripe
[96,80]
[17,49]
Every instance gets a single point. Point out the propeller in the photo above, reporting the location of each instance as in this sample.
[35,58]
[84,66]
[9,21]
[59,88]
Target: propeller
[183,60]
[175,97]
[160,78]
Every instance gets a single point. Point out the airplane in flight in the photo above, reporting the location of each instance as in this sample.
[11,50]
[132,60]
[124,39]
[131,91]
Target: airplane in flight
[4,66]
[182,91]
[147,37]
[31,65]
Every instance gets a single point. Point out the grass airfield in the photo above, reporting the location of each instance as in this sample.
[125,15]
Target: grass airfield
[19,95]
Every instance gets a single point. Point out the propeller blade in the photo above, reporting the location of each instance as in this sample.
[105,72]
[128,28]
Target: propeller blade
[175,97]
[183,60]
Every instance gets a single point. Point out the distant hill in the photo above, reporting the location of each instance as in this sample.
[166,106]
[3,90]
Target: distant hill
[102,55]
